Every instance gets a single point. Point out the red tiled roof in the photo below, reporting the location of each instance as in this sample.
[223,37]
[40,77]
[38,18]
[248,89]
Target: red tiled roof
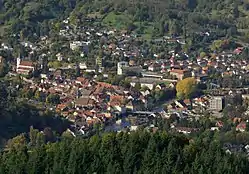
[26,63]
[98,90]
[61,106]
[84,101]
[179,71]
[242,125]
[24,68]
[236,119]
[105,85]
[219,124]
[116,100]
[187,101]
[51,90]
[88,113]
[81,79]
[205,68]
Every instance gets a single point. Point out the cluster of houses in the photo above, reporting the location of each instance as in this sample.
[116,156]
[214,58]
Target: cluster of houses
[86,102]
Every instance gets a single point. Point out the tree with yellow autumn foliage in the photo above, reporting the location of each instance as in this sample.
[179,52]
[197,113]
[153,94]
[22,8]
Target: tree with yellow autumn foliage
[186,88]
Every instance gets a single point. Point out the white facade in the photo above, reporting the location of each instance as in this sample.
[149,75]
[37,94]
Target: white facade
[18,62]
[121,65]
[217,103]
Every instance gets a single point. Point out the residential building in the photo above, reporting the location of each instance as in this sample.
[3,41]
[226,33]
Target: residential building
[78,44]
[59,57]
[241,127]
[180,74]
[82,81]
[83,65]
[217,103]
[144,82]
[154,67]
[129,106]
[186,130]
[117,103]
[84,102]
[161,86]
[121,65]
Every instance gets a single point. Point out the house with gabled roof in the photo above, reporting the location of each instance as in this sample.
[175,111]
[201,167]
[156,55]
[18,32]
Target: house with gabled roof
[117,103]
[82,81]
[241,126]
[180,74]
[24,67]
[84,102]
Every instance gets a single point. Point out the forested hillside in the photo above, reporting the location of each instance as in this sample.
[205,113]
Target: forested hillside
[160,17]
[138,152]
[17,116]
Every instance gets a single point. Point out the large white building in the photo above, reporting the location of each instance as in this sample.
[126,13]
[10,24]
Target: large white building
[77,44]
[121,65]
[217,103]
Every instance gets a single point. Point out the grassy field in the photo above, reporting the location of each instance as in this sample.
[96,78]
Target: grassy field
[119,21]
[145,30]
[95,15]
[147,35]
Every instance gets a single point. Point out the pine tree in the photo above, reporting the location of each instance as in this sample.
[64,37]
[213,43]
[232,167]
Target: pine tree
[72,163]
[195,165]
[171,153]
[36,163]
[110,169]
[33,136]
[201,170]
[129,161]
[149,157]
[186,169]
[15,160]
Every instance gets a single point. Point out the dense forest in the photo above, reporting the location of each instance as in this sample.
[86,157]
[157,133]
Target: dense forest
[180,17]
[137,152]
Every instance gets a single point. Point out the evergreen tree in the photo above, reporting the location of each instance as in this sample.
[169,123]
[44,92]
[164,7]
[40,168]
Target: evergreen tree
[171,155]
[143,152]
[72,163]
[149,158]
[36,163]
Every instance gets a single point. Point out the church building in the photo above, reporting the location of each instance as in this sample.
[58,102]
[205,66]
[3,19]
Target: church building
[24,67]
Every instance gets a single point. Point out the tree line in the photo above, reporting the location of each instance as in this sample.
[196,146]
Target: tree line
[137,152]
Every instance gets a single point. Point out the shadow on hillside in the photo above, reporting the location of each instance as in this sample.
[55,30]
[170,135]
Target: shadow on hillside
[18,119]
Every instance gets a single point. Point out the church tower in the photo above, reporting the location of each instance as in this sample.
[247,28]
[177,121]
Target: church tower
[18,61]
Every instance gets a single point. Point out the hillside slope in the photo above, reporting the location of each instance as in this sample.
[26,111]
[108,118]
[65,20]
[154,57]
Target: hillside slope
[160,17]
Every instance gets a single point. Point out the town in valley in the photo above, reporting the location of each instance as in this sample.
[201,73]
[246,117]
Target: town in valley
[101,79]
